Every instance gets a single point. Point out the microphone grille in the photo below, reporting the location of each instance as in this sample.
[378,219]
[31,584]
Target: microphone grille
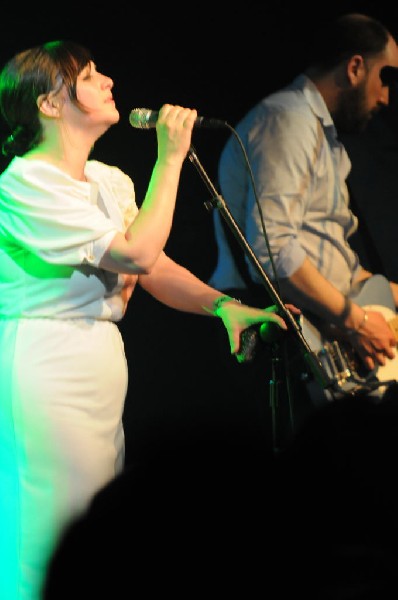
[139,118]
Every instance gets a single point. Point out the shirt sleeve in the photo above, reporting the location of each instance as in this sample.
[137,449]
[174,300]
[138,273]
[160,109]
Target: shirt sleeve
[118,187]
[282,149]
[49,214]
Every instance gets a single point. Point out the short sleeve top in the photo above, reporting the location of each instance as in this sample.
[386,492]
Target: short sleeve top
[54,231]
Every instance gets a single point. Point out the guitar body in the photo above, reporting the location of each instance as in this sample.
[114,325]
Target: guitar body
[339,359]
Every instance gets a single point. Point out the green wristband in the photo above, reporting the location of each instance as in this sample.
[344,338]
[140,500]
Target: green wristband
[218,302]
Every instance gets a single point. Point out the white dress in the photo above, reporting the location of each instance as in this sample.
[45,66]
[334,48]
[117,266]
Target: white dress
[63,372]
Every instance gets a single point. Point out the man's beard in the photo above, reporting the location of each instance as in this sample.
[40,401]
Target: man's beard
[352,116]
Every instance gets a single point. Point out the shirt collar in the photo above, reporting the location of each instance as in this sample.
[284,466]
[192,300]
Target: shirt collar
[314,99]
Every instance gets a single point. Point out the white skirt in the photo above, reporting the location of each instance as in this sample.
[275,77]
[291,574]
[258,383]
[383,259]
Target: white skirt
[63,386]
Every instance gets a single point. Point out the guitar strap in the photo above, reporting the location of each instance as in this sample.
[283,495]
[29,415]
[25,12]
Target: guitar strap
[372,255]
[238,255]
[256,292]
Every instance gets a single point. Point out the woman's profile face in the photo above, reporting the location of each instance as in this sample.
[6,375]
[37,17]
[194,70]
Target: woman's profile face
[94,93]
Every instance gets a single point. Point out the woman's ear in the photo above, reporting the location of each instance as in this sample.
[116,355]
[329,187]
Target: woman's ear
[48,105]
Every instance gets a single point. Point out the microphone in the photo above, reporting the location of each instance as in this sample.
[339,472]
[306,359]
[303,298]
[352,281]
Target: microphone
[251,336]
[145,118]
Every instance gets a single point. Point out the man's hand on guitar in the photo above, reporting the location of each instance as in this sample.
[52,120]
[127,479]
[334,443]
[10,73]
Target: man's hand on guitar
[374,340]
[360,349]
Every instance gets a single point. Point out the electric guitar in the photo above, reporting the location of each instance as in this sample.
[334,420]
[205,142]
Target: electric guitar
[339,359]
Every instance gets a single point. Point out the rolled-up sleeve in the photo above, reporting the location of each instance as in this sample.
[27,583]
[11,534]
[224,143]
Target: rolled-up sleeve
[289,194]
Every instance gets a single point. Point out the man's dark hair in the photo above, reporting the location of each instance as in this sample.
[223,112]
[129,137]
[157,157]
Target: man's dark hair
[345,36]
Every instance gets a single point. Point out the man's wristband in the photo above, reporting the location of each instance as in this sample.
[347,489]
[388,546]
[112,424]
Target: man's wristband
[361,325]
[218,302]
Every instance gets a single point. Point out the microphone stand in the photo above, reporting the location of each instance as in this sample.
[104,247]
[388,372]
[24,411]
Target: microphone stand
[316,367]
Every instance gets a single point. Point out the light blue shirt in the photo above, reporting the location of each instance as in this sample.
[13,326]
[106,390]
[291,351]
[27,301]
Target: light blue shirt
[300,170]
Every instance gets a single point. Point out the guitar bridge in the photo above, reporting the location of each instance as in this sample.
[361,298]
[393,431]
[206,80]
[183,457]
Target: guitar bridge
[336,363]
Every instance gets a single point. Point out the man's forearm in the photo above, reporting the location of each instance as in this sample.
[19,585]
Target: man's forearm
[309,290]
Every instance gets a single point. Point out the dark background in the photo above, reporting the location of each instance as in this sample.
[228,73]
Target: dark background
[219,60]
